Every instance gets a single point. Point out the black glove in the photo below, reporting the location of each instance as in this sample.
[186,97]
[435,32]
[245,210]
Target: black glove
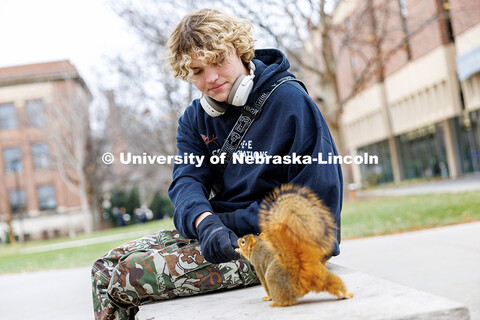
[242,221]
[216,240]
[228,219]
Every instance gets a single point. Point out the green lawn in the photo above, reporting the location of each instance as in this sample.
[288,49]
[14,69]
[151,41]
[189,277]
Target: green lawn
[384,215]
[42,255]
[360,218]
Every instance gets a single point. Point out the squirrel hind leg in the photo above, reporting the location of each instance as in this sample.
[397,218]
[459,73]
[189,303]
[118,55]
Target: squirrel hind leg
[346,295]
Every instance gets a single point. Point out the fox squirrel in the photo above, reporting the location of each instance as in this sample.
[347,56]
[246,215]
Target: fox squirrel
[289,256]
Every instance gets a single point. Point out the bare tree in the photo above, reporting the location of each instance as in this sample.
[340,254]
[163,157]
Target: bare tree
[69,130]
[11,233]
[146,124]
[98,173]
[140,133]
[148,100]
[311,36]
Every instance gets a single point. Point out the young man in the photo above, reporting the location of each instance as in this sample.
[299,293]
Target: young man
[215,52]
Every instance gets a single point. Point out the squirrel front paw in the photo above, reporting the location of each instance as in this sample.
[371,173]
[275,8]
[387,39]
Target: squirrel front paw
[281,303]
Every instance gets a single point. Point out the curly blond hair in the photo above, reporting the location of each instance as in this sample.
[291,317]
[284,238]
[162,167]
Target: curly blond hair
[209,35]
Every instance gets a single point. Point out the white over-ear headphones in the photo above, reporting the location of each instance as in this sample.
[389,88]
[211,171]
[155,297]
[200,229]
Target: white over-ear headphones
[238,95]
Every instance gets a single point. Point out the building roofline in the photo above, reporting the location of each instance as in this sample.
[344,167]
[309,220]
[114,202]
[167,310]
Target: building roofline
[41,72]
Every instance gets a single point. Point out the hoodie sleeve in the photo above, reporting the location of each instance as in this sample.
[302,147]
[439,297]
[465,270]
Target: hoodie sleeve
[189,190]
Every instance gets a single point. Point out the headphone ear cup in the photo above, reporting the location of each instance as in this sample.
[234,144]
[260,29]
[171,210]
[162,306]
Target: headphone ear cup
[233,91]
[212,108]
[240,91]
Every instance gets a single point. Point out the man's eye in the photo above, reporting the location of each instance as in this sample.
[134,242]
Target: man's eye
[197,72]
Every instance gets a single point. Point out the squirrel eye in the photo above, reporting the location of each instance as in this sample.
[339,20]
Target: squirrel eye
[242,242]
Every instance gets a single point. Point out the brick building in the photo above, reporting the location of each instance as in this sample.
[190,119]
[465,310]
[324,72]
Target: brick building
[419,110]
[32,190]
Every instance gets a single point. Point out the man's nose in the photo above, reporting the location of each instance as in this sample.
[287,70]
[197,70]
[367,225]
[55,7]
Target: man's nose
[211,75]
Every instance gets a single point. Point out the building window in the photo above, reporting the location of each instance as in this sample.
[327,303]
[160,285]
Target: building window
[8,118]
[46,197]
[17,200]
[422,153]
[36,113]
[41,155]
[467,128]
[378,173]
[13,159]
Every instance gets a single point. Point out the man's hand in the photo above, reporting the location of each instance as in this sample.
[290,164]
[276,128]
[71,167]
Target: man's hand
[217,241]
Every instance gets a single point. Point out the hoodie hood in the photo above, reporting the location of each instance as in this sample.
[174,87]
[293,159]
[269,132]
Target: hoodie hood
[270,65]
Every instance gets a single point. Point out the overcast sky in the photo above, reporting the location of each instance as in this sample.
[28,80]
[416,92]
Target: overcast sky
[82,31]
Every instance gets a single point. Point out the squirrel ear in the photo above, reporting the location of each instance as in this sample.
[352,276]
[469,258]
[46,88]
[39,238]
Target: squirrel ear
[253,240]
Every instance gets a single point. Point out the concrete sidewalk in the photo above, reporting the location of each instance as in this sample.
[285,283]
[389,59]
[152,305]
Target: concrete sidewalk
[442,261]
[462,184]
[47,295]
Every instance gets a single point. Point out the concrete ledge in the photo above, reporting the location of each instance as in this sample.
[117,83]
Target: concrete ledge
[374,299]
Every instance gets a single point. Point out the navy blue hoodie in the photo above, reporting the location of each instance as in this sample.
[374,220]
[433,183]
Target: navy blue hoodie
[290,123]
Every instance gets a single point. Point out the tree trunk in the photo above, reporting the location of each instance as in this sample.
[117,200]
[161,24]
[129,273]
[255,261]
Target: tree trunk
[11,234]
[87,216]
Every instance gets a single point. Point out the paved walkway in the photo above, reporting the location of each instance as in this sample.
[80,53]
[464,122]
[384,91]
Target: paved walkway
[46,295]
[463,184]
[84,242]
[443,261]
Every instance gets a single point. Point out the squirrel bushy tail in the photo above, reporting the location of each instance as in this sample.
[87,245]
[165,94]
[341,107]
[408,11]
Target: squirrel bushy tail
[300,230]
